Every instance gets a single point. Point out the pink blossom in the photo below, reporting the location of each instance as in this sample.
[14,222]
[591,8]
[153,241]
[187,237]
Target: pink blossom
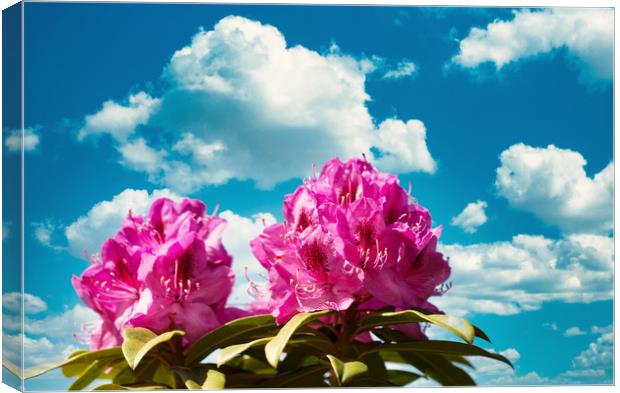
[351,237]
[166,271]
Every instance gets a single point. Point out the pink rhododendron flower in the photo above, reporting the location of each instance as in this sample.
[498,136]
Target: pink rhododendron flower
[351,236]
[166,271]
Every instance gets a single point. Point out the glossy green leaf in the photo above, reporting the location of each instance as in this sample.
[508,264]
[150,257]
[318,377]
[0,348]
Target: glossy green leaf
[314,345]
[481,334]
[296,359]
[139,341]
[88,375]
[233,351]
[214,380]
[235,332]
[113,386]
[245,380]
[437,367]
[401,377]
[88,357]
[164,376]
[124,376]
[460,327]
[311,376]
[440,347]
[274,349]
[346,371]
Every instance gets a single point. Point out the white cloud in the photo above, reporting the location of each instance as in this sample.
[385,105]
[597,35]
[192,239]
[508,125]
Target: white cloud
[584,373]
[49,339]
[552,183]
[587,35]
[103,220]
[59,326]
[599,354]
[139,156]
[44,233]
[405,68]
[119,120]
[236,239]
[241,104]
[403,145]
[12,301]
[574,331]
[509,277]
[471,217]
[13,140]
[601,330]
[553,326]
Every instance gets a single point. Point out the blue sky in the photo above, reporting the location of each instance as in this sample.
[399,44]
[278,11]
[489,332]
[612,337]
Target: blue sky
[464,104]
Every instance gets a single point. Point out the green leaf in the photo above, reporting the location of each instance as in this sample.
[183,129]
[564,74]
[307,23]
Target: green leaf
[481,334]
[296,359]
[346,371]
[248,362]
[402,377]
[460,360]
[460,327]
[89,375]
[234,332]
[124,376]
[311,376]
[313,345]
[232,351]
[88,357]
[113,386]
[337,368]
[163,375]
[244,380]
[214,380]
[139,341]
[274,348]
[437,367]
[440,347]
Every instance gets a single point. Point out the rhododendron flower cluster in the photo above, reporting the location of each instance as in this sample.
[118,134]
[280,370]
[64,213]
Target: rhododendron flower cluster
[168,270]
[352,237]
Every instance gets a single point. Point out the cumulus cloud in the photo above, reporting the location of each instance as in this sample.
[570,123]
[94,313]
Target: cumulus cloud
[471,217]
[236,239]
[45,233]
[586,34]
[574,331]
[241,103]
[48,339]
[120,120]
[598,355]
[103,220]
[552,183]
[12,301]
[139,156]
[601,330]
[13,140]
[66,324]
[508,277]
[405,68]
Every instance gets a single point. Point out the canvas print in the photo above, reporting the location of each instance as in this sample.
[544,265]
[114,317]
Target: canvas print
[214,196]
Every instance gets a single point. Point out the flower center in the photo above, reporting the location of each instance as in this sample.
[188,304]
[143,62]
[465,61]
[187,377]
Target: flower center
[315,258]
[180,286]
[366,235]
[303,221]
